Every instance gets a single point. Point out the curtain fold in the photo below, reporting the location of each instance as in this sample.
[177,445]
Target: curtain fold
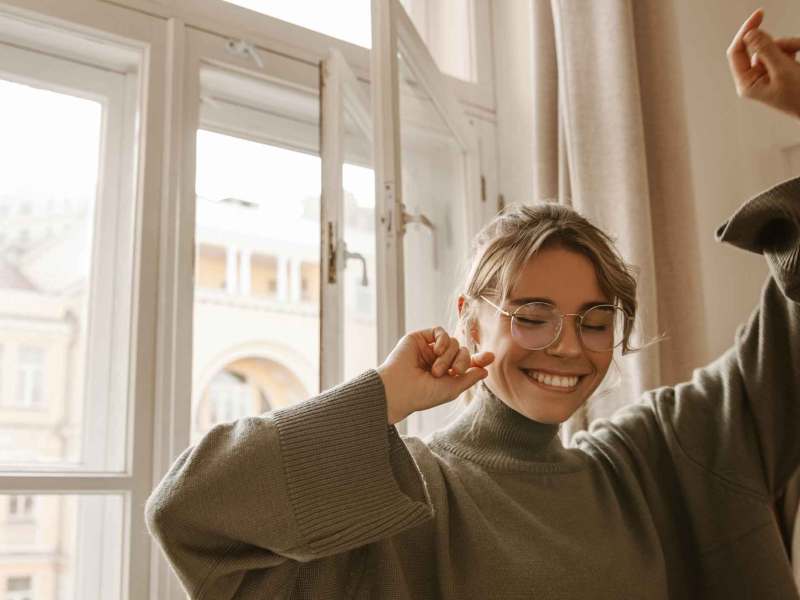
[611,140]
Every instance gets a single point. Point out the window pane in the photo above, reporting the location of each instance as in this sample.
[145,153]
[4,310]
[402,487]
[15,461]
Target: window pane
[446,26]
[360,302]
[55,194]
[69,546]
[433,186]
[256,309]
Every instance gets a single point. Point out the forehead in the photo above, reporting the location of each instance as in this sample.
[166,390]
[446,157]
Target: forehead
[567,277]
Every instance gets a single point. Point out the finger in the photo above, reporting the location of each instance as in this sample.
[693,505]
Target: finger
[738,60]
[436,338]
[482,359]
[462,361]
[442,340]
[442,364]
[789,45]
[760,44]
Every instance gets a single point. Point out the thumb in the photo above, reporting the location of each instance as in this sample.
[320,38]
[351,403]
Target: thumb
[764,49]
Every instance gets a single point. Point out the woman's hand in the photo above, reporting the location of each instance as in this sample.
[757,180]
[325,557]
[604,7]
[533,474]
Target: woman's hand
[427,368]
[765,69]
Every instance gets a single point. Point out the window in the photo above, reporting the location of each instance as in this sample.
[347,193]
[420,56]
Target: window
[20,508]
[70,124]
[30,382]
[446,26]
[230,397]
[257,166]
[19,588]
[65,302]
[347,20]
[140,183]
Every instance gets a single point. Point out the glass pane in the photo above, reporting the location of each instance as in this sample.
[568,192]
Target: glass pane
[435,248]
[61,547]
[358,179]
[447,28]
[257,276]
[57,195]
[347,20]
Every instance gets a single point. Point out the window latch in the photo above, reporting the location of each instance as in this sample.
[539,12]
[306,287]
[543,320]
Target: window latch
[423,220]
[244,49]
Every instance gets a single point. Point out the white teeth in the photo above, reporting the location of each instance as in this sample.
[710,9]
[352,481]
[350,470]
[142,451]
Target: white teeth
[554,380]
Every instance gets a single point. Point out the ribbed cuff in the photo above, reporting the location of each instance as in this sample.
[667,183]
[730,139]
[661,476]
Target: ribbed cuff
[336,454]
[769,224]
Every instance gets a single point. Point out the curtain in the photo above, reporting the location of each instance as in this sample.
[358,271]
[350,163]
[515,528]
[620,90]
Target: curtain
[610,139]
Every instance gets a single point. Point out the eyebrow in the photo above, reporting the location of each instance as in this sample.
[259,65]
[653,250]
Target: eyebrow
[584,306]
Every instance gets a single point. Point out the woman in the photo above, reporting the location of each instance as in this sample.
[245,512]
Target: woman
[671,498]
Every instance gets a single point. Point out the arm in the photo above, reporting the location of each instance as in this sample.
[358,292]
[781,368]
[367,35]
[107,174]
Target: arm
[315,480]
[739,417]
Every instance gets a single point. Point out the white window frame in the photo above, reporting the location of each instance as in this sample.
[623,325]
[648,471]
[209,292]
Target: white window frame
[107,297]
[159,419]
[293,40]
[392,30]
[341,95]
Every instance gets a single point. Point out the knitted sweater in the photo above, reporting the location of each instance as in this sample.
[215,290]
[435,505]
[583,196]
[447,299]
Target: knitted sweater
[672,497]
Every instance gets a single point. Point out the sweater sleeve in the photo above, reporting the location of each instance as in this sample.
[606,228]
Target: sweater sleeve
[257,497]
[739,417]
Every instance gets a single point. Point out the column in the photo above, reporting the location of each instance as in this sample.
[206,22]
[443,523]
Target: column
[283,278]
[294,280]
[231,270]
[245,278]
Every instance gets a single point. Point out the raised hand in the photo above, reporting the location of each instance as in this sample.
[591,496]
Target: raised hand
[427,368]
[765,69]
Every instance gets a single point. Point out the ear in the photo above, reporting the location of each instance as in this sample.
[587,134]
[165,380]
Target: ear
[474,332]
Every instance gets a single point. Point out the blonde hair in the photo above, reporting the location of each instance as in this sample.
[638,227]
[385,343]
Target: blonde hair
[503,246]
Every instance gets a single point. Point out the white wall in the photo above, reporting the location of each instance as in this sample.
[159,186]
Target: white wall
[735,148]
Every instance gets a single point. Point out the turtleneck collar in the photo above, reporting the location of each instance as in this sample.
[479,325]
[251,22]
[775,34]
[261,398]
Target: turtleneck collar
[492,434]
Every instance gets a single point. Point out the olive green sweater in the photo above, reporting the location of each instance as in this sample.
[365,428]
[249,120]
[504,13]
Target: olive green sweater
[672,497]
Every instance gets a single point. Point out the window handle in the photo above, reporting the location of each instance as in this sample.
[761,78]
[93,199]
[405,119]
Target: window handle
[347,255]
[338,255]
[423,220]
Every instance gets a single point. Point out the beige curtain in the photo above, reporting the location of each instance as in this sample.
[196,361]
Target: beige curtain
[610,139]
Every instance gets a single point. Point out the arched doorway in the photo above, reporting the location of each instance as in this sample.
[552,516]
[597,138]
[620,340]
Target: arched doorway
[245,387]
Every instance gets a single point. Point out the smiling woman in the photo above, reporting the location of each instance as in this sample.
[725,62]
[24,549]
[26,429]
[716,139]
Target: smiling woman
[539,260]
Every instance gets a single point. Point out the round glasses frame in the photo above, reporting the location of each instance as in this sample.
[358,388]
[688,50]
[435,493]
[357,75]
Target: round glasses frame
[512,316]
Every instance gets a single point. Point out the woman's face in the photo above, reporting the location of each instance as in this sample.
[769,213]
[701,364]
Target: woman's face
[569,280]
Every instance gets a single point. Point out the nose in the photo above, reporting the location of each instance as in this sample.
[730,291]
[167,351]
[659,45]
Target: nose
[568,342]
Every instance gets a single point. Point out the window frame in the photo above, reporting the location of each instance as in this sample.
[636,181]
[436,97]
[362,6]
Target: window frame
[85,20]
[159,420]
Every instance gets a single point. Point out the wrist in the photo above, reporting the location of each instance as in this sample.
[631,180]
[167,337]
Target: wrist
[394,412]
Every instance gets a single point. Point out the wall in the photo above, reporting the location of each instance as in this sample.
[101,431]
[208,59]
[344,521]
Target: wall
[735,148]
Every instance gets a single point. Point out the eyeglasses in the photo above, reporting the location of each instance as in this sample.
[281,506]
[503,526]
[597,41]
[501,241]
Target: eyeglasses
[536,325]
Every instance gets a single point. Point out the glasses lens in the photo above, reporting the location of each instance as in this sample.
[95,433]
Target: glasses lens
[535,325]
[602,327]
